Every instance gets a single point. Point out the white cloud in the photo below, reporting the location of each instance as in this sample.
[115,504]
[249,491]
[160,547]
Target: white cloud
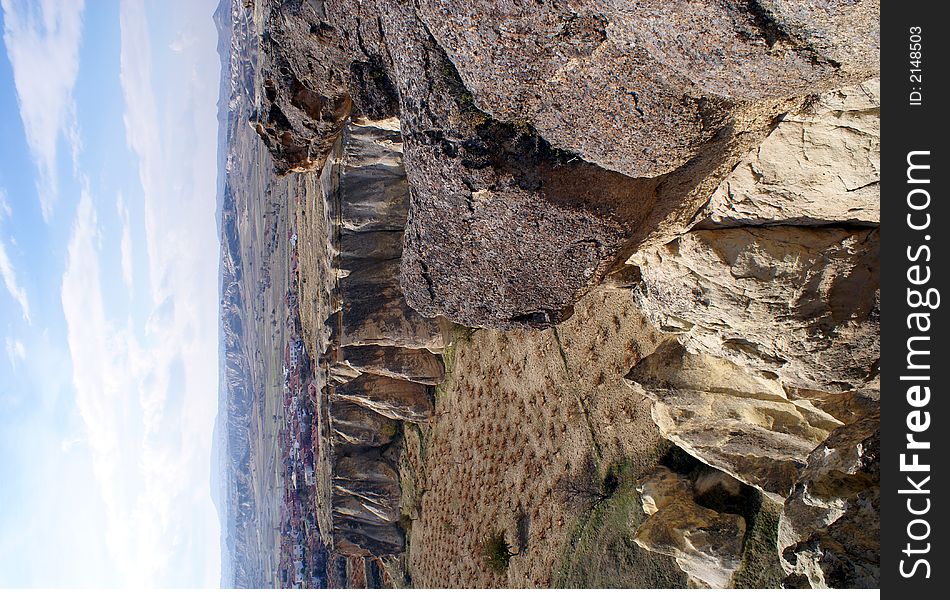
[16,352]
[8,274]
[147,392]
[182,42]
[126,242]
[42,42]
[114,379]
[5,211]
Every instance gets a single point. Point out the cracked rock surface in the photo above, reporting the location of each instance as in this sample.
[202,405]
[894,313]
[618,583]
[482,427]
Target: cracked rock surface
[547,141]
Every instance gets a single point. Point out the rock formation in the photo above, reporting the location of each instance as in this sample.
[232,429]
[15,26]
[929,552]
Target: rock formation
[797,303]
[705,543]
[492,162]
[818,166]
[773,299]
[829,530]
[544,142]
[730,418]
[377,352]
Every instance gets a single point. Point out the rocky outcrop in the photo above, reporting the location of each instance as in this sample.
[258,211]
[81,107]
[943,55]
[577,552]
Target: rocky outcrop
[492,162]
[829,530]
[819,166]
[536,168]
[410,364]
[379,355]
[365,506]
[556,66]
[777,324]
[731,418]
[815,452]
[357,426]
[393,398]
[310,85]
[752,284]
[797,303]
[706,544]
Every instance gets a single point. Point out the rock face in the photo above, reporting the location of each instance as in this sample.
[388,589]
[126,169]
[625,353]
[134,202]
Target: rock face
[379,354]
[309,86]
[829,530]
[556,65]
[819,166]
[798,303]
[393,398]
[544,142]
[753,285]
[730,418]
[365,506]
[410,364]
[705,543]
[355,425]
[773,300]
[491,162]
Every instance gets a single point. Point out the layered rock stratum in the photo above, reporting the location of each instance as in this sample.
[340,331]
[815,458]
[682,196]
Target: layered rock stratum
[379,357]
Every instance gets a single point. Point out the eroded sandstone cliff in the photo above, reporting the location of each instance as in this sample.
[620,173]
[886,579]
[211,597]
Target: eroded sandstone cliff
[378,357]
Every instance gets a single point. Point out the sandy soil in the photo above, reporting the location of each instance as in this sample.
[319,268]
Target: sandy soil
[525,420]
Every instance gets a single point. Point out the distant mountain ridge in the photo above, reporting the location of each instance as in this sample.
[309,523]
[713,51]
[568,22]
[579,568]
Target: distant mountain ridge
[231,446]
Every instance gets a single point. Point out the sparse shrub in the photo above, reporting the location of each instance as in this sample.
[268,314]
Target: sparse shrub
[496,551]
[586,491]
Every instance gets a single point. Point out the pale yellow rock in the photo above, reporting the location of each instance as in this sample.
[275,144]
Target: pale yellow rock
[821,165]
[706,544]
[796,304]
[730,418]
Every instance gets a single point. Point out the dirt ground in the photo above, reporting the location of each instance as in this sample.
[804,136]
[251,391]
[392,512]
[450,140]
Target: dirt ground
[529,427]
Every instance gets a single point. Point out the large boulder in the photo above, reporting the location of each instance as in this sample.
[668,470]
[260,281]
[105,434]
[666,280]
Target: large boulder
[706,544]
[731,418]
[642,89]
[545,142]
[820,165]
[507,229]
[798,303]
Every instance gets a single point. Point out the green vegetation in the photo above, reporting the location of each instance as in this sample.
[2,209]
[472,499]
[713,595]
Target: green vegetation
[760,566]
[496,551]
[601,553]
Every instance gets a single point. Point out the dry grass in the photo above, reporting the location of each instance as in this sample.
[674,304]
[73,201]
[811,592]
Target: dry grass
[520,414]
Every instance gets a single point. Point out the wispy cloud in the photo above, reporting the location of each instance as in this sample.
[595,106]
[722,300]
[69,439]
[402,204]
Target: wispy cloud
[42,42]
[7,272]
[110,374]
[126,241]
[147,393]
[16,352]
[5,211]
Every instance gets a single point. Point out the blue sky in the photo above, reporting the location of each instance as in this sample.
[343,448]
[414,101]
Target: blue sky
[108,293]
